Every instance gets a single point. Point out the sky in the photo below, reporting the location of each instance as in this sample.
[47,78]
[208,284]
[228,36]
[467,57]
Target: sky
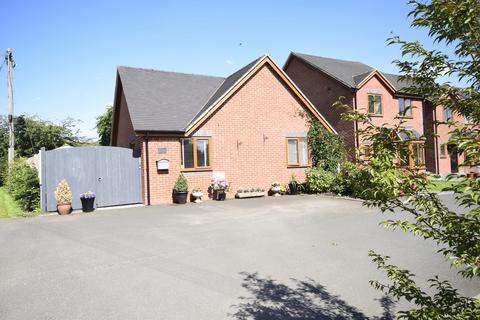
[66,52]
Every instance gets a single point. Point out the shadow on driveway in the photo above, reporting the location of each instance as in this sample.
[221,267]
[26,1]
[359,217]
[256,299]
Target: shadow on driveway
[270,300]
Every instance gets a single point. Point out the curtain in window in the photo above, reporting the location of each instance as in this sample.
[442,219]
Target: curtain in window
[303,149]
[292,151]
[378,103]
[202,153]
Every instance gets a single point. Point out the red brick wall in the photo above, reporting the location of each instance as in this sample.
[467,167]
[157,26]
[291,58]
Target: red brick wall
[323,91]
[390,106]
[443,136]
[124,133]
[248,140]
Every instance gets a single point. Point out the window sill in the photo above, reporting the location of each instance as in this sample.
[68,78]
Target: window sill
[306,166]
[405,117]
[196,170]
[376,115]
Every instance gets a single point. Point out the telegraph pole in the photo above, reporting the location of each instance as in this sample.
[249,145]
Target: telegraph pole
[11,136]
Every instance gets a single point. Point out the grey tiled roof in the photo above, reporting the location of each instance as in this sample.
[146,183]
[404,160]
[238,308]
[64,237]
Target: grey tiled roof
[350,73]
[170,101]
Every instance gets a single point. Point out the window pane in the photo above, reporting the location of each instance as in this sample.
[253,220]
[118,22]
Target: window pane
[418,155]
[202,153]
[303,151]
[187,153]
[447,114]
[371,107]
[292,151]
[408,106]
[401,105]
[378,103]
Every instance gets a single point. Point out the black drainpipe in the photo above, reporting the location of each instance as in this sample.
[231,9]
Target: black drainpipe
[435,138]
[147,163]
[355,124]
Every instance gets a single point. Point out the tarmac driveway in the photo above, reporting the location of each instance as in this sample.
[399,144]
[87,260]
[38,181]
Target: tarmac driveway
[294,257]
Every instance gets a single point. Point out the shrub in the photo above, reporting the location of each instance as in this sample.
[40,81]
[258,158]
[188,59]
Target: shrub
[318,180]
[328,149]
[63,195]
[23,185]
[181,185]
[350,181]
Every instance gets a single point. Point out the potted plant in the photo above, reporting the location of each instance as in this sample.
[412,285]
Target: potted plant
[276,187]
[88,201]
[197,194]
[219,187]
[63,196]
[180,189]
[293,184]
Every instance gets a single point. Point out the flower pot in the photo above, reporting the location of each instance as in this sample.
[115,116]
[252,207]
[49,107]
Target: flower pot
[276,191]
[293,188]
[220,195]
[198,196]
[88,204]
[180,197]
[64,208]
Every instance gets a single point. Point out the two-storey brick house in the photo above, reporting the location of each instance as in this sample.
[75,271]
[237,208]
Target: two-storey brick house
[381,95]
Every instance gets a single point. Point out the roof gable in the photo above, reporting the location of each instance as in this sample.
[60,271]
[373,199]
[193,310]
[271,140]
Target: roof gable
[352,74]
[160,101]
[254,66]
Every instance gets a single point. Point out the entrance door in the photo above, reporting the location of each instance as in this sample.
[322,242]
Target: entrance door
[453,152]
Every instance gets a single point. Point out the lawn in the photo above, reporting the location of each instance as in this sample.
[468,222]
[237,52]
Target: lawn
[8,207]
[439,185]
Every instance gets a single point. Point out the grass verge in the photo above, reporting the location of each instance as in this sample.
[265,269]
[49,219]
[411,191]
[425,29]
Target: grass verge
[8,207]
[439,185]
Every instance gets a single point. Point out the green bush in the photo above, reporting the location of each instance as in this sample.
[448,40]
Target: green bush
[327,149]
[350,181]
[23,185]
[181,185]
[3,170]
[319,180]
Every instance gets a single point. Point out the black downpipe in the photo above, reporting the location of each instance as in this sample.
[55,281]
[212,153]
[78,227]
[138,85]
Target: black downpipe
[435,138]
[355,124]
[147,163]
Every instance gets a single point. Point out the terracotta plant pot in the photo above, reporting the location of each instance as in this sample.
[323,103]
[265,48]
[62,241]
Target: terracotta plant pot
[64,208]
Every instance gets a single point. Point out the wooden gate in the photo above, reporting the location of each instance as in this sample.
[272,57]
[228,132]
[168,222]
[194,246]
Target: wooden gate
[112,173]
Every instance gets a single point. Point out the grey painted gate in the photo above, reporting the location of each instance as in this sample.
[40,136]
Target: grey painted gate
[113,173]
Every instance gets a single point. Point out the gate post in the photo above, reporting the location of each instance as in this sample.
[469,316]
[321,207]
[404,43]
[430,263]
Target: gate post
[43,180]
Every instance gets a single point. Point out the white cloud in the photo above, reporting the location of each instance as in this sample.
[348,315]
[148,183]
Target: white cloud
[228,61]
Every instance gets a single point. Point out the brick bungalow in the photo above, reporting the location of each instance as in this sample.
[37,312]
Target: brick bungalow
[250,127]
[382,96]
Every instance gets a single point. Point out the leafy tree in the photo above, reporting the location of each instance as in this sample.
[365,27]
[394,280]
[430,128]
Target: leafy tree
[104,126]
[33,133]
[451,23]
